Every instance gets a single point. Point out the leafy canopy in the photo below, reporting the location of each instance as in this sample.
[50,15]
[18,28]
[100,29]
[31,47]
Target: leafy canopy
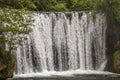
[14,22]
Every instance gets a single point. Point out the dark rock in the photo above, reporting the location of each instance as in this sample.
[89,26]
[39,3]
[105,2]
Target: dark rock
[117,61]
[7,64]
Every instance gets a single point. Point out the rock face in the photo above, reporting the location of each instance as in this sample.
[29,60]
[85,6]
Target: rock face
[113,47]
[117,61]
[7,62]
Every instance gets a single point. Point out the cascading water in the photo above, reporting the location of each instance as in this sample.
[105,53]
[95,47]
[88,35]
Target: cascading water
[63,42]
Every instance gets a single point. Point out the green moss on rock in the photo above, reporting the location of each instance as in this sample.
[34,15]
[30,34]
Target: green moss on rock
[117,61]
[7,63]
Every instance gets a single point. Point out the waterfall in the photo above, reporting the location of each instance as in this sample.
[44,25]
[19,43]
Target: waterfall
[63,42]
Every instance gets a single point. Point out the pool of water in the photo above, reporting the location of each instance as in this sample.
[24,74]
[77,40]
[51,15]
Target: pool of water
[72,78]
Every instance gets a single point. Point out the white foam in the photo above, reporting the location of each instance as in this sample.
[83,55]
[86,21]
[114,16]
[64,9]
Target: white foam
[63,73]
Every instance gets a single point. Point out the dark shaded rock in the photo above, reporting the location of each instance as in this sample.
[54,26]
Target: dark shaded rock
[112,45]
[117,61]
[7,63]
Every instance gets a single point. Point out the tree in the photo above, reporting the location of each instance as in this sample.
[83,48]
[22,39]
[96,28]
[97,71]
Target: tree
[45,5]
[17,4]
[14,21]
[13,27]
[80,5]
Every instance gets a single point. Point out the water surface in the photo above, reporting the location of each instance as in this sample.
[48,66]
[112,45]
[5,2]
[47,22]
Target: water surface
[75,77]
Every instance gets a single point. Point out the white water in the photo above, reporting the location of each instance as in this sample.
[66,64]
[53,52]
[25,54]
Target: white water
[72,73]
[63,42]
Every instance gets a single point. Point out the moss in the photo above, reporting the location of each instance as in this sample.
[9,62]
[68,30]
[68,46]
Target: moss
[117,61]
[7,62]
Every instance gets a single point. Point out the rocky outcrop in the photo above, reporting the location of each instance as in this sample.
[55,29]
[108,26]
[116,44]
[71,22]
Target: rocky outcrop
[113,47]
[117,61]
[7,63]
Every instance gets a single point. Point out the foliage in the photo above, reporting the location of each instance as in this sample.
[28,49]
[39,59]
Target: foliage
[17,4]
[63,5]
[14,26]
[14,21]
[78,5]
[60,7]
[45,5]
